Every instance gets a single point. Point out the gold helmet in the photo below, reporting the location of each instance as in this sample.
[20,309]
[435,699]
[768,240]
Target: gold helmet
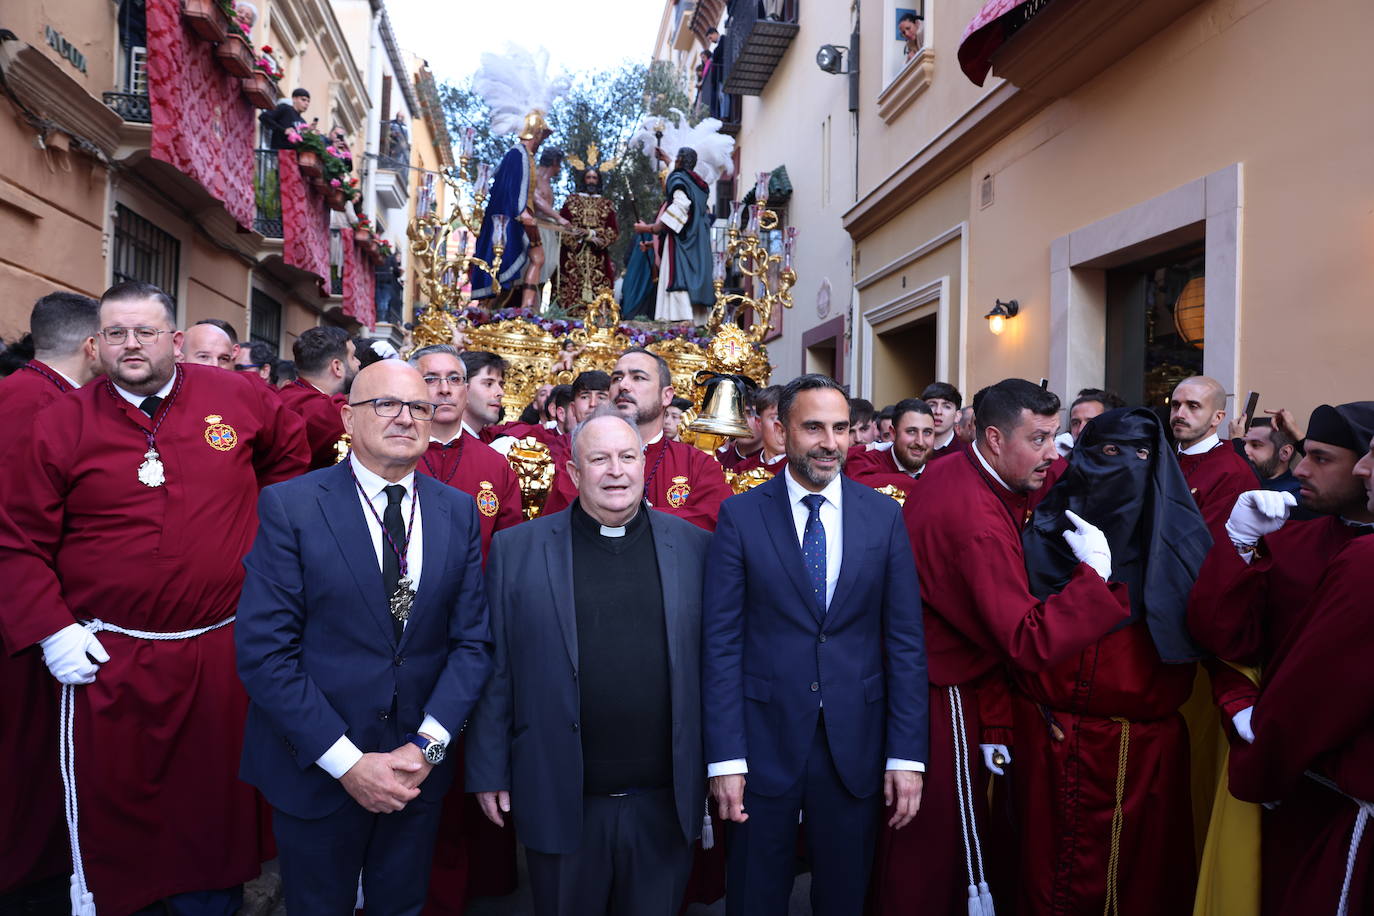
[534,127]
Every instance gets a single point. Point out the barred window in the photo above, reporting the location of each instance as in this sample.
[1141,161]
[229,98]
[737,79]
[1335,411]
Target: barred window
[266,321]
[143,252]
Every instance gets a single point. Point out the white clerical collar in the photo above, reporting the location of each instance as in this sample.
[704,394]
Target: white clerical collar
[1199,448]
[943,441]
[374,484]
[987,467]
[136,399]
[796,492]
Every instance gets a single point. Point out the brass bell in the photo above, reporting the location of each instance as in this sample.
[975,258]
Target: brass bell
[722,411]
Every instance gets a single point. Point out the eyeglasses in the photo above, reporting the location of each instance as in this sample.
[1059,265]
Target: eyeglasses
[453,379]
[390,408]
[248,367]
[116,336]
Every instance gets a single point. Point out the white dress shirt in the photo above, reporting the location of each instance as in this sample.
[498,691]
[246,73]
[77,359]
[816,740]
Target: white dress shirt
[136,399]
[942,441]
[1198,448]
[832,520]
[343,753]
[987,467]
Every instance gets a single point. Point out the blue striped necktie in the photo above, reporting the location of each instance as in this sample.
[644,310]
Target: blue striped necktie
[813,546]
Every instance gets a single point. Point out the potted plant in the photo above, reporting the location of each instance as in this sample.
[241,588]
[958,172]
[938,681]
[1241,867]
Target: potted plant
[362,229]
[309,146]
[373,250]
[234,53]
[260,88]
[205,19]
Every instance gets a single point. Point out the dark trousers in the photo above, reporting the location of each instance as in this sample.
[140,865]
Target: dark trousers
[840,833]
[633,861]
[321,859]
[197,903]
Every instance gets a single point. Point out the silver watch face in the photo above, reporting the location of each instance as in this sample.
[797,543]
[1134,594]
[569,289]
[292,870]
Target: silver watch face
[434,753]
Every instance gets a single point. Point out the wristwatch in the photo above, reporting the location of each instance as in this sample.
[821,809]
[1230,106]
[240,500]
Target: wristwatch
[433,750]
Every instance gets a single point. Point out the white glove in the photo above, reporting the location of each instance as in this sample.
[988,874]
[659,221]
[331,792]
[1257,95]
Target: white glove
[989,750]
[1257,513]
[1089,545]
[1064,442]
[68,654]
[1241,721]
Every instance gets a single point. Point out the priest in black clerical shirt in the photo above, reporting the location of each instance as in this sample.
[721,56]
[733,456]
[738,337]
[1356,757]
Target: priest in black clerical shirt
[589,733]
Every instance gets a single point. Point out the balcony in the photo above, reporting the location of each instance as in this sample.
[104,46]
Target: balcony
[132,107]
[391,181]
[754,46]
[267,193]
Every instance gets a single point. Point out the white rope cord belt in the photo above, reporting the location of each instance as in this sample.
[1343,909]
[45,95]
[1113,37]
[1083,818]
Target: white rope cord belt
[979,897]
[1356,835]
[83,901]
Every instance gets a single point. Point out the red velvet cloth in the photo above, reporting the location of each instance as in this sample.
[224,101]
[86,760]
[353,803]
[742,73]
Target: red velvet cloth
[304,221]
[202,125]
[359,282]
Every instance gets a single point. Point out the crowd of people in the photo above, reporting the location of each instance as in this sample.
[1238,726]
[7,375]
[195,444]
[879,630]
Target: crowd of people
[950,657]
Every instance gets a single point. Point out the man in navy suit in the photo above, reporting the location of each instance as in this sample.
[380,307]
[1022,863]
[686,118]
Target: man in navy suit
[813,668]
[363,642]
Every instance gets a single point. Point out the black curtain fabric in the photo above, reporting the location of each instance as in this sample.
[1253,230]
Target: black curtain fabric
[1124,479]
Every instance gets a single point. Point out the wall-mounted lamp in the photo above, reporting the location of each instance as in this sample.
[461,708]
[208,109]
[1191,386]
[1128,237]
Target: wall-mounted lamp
[830,58]
[997,318]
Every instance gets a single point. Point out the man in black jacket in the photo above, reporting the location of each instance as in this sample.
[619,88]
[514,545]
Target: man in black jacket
[285,116]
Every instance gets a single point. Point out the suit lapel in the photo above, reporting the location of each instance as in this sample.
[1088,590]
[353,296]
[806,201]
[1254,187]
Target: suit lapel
[782,528]
[855,544]
[339,502]
[665,548]
[436,522]
[558,553]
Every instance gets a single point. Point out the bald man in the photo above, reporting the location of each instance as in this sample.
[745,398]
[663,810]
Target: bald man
[207,345]
[1216,474]
[363,654]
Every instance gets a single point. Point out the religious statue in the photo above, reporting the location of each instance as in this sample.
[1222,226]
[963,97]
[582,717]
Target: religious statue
[519,93]
[585,266]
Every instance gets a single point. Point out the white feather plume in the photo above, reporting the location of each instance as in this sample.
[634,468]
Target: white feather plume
[515,83]
[714,149]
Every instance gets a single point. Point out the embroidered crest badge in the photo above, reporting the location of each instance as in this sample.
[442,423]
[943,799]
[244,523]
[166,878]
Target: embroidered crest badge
[220,435]
[678,492]
[487,503]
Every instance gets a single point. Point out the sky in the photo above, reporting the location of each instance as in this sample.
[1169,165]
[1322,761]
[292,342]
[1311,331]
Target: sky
[452,34]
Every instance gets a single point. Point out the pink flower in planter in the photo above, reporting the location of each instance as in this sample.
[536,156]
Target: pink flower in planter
[335,183]
[332,151]
[293,135]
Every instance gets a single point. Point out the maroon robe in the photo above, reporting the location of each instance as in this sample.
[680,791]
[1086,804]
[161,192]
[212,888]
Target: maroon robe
[678,479]
[772,466]
[472,856]
[30,795]
[879,468]
[730,458]
[159,732]
[980,615]
[323,421]
[955,446]
[1316,714]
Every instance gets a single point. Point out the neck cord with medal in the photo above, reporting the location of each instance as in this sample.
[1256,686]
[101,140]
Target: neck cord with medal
[648,481]
[433,473]
[62,386]
[150,472]
[400,600]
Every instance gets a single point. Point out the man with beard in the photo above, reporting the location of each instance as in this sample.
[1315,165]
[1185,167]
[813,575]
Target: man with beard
[1270,449]
[63,327]
[944,400]
[813,668]
[1303,600]
[901,465]
[126,516]
[965,522]
[685,291]
[584,264]
[1102,749]
[1216,474]
[678,479]
[207,345]
[772,454]
[325,365]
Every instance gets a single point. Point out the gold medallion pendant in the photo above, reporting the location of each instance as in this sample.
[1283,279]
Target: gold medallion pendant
[219,435]
[487,502]
[678,492]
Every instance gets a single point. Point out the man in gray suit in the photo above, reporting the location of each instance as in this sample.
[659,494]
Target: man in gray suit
[589,732]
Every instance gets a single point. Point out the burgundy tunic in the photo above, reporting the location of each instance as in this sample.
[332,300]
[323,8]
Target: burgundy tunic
[158,735]
[480,471]
[323,422]
[878,468]
[980,616]
[730,458]
[678,479]
[1316,714]
[29,794]
[772,466]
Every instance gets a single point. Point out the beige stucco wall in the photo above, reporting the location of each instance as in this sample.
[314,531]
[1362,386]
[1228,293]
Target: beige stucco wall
[1270,85]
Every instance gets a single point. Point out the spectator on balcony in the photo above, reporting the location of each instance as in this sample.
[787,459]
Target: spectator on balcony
[284,117]
[913,34]
[339,140]
[398,144]
[390,300]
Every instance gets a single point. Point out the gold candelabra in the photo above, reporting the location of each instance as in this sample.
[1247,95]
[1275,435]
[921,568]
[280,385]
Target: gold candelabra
[768,275]
[433,238]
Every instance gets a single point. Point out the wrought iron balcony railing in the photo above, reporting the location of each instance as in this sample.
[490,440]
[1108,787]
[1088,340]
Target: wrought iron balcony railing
[131,106]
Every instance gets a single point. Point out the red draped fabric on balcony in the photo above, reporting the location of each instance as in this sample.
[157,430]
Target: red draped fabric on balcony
[997,21]
[304,220]
[359,282]
[202,126]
